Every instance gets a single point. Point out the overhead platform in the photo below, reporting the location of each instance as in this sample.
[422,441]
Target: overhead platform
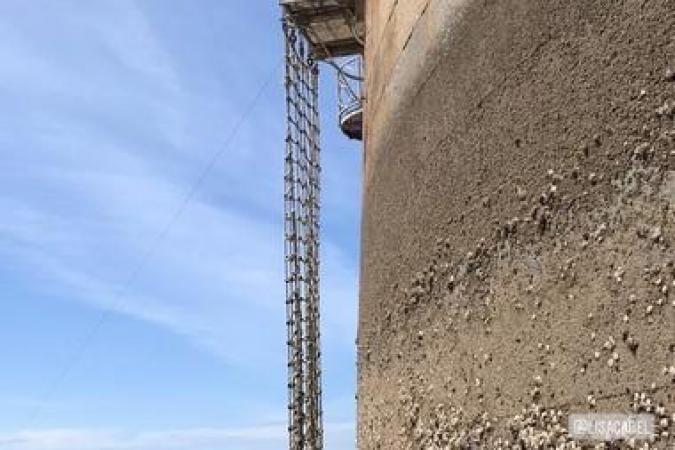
[335,28]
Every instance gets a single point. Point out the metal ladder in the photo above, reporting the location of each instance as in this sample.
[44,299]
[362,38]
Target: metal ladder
[301,222]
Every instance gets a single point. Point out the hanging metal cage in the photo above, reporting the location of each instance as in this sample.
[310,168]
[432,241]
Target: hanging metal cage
[349,97]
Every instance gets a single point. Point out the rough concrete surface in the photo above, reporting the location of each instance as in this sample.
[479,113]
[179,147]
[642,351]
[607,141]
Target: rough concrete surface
[518,230]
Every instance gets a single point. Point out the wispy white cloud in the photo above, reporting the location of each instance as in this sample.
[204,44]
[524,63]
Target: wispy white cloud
[109,201]
[216,269]
[339,435]
[100,141]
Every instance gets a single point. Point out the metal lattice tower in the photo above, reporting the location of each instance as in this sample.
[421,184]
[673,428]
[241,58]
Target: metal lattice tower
[314,30]
[301,210]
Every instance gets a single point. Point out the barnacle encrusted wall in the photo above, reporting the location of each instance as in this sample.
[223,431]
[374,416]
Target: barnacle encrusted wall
[519,220]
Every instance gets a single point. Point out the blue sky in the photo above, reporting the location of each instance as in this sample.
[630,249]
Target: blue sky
[109,112]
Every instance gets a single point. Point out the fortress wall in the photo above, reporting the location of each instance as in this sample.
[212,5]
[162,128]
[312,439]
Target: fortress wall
[400,37]
[518,221]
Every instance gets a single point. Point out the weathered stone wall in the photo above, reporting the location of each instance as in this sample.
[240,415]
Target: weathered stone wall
[518,222]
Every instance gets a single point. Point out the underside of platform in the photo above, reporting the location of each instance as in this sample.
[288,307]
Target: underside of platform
[334,27]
